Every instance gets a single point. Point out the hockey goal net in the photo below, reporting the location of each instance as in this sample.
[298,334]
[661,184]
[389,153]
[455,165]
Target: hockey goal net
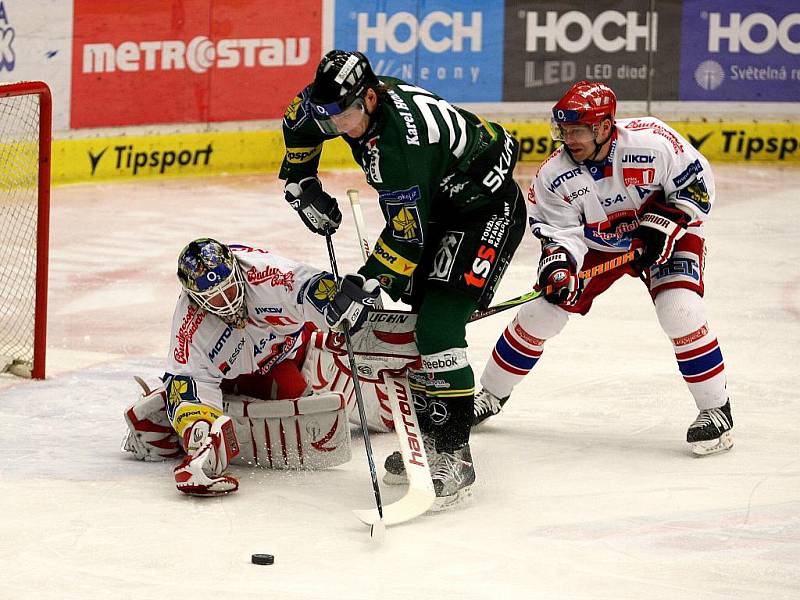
[25,121]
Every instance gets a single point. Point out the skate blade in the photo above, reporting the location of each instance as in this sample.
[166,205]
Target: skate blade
[460,498]
[721,444]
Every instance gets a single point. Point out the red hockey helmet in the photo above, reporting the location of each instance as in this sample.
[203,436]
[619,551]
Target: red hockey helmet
[586,103]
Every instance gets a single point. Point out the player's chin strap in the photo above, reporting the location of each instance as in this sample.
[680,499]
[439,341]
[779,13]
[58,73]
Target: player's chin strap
[599,146]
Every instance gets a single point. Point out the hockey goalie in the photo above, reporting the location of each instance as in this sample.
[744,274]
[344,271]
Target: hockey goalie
[257,373]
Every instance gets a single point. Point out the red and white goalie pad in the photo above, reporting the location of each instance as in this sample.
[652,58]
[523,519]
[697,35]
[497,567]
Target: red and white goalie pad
[310,432]
[385,344]
[301,433]
[150,435]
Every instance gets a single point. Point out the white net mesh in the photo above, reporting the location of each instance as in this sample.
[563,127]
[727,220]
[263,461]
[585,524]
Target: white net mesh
[19,170]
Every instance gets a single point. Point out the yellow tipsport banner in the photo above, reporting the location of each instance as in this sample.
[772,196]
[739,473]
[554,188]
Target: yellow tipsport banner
[719,142]
[140,157]
[176,155]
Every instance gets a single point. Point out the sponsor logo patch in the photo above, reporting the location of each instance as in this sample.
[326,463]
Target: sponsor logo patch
[445,256]
[321,290]
[191,321]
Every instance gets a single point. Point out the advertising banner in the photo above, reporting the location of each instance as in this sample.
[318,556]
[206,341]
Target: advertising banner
[132,157]
[743,50]
[166,156]
[190,61]
[35,40]
[551,45]
[451,47]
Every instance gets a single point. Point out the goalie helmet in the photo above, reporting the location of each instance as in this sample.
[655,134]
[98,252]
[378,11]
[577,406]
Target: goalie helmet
[212,277]
[340,82]
[585,103]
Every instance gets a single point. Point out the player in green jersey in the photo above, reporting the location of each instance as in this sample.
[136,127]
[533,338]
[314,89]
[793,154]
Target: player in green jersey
[454,217]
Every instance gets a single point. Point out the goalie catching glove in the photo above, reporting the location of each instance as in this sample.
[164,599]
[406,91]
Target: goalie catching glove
[659,228]
[352,303]
[318,209]
[209,450]
[558,277]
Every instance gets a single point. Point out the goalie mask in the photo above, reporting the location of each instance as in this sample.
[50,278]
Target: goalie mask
[336,94]
[212,277]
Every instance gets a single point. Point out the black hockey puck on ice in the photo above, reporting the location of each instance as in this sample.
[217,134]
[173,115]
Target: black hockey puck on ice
[262,559]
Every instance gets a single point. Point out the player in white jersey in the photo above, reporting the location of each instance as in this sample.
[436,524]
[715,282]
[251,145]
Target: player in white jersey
[244,318]
[615,186]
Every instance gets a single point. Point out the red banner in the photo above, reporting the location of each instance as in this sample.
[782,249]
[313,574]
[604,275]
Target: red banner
[190,61]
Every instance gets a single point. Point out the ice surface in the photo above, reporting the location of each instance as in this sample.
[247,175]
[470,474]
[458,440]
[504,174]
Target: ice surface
[586,489]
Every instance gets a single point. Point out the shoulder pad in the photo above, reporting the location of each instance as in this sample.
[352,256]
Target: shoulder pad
[298,111]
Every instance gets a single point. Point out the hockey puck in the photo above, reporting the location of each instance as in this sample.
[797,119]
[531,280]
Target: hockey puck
[262,559]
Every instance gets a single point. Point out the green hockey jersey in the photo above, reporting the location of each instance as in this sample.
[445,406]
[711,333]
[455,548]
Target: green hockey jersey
[426,159]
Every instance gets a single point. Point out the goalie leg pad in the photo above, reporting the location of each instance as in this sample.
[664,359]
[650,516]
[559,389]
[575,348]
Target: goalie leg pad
[150,436]
[328,371]
[202,472]
[300,433]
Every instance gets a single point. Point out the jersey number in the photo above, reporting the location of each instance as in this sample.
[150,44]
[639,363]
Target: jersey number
[426,103]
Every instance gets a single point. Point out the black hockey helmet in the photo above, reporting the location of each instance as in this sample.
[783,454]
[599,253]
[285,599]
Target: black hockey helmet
[342,78]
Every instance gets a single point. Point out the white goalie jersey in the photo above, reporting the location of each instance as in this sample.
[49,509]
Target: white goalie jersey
[597,205]
[285,302]
[281,296]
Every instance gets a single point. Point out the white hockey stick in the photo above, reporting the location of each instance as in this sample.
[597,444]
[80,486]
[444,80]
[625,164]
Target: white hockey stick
[358,217]
[420,495]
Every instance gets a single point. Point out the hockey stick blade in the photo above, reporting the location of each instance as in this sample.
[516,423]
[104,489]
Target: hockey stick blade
[420,495]
[413,504]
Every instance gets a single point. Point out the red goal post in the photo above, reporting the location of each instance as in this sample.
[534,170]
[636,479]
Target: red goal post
[25,140]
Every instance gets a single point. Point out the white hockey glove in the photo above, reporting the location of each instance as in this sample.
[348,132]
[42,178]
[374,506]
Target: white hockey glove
[352,303]
[317,209]
[202,472]
[659,228]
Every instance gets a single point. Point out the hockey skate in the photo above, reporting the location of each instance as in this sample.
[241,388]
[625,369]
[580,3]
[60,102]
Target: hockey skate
[486,405]
[396,469]
[711,431]
[453,477]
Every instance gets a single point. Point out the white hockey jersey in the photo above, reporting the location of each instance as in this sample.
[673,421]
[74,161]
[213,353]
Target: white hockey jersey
[597,204]
[281,296]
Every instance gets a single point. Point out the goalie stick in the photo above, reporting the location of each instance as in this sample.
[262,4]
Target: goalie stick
[420,495]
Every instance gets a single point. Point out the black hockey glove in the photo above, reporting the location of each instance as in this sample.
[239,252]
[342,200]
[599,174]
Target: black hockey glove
[659,228]
[352,303]
[558,277]
[316,208]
